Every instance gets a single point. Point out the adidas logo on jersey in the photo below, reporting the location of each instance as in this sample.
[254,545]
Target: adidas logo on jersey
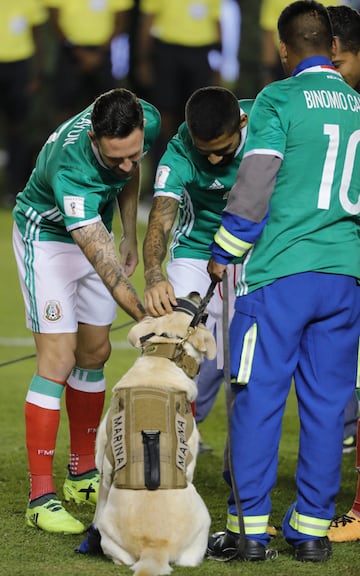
[216,185]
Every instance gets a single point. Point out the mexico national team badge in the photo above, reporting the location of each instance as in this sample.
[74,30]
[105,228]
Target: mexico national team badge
[52,310]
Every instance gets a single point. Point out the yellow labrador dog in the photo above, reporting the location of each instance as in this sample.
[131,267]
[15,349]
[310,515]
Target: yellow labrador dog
[149,514]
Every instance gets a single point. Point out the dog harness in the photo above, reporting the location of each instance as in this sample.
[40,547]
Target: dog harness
[148,431]
[174,352]
[149,428]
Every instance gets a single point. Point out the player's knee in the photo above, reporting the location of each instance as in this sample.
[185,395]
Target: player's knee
[56,366]
[102,353]
[94,354]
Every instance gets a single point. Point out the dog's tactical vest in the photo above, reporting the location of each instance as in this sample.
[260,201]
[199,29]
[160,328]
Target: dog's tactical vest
[148,431]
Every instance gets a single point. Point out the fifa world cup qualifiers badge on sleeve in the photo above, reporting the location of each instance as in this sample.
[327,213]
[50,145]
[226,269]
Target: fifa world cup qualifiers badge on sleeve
[74,206]
[162,174]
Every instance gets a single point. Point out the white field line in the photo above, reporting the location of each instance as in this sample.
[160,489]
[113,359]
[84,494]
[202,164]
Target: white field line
[29,342]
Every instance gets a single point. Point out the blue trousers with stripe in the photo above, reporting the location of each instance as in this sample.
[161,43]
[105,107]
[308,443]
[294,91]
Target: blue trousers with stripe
[306,327]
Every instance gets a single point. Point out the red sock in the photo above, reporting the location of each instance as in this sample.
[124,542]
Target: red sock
[356,504]
[84,411]
[41,431]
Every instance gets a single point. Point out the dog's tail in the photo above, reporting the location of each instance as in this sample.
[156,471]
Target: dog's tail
[152,562]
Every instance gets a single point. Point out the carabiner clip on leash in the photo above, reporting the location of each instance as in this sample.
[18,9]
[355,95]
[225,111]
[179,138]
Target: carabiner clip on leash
[202,306]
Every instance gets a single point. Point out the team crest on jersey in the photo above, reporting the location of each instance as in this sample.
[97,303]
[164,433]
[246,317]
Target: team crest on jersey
[52,311]
[74,206]
[162,174]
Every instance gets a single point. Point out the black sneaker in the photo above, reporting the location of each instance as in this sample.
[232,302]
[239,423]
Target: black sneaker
[224,546]
[317,550]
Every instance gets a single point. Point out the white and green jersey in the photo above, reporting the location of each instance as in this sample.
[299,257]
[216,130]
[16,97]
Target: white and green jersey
[201,189]
[308,127]
[70,185]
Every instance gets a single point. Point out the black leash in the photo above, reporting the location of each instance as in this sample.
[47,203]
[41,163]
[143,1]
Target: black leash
[202,306]
[228,395]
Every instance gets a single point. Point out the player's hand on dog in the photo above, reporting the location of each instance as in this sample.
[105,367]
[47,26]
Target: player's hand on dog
[216,270]
[159,299]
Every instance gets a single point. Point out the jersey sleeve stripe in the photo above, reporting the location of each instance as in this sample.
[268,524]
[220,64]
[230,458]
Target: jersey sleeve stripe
[230,243]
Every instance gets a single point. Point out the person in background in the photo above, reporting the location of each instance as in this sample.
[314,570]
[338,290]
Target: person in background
[72,281]
[192,181]
[83,65]
[271,68]
[174,40]
[226,61]
[21,67]
[293,215]
[346,28]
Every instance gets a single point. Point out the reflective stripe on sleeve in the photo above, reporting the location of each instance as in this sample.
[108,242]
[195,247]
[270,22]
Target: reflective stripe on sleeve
[230,243]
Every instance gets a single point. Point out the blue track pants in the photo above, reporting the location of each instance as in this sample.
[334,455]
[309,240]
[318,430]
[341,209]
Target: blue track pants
[306,327]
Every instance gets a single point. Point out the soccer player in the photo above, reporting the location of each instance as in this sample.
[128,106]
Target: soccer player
[293,215]
[72,281]
[174,41]
[193,179]
[346,27]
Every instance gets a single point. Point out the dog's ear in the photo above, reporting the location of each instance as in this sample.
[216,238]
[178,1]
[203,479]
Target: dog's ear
[203,341]
[142,328]
[169,328]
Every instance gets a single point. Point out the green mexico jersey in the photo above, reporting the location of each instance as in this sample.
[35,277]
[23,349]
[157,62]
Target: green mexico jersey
[70,184]
[312,122]
[201,189]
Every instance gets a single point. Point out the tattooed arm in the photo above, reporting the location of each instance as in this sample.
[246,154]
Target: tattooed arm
[159,293]
[98,247]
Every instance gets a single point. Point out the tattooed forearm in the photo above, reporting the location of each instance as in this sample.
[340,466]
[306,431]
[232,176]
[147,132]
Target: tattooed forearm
[98,246]
[161,220]
[128,199]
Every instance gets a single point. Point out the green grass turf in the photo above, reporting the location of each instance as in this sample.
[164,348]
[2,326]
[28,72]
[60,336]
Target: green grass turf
[28,552]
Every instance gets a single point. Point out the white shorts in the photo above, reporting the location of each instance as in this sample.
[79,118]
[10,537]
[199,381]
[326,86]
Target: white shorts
[189,274]
[60,287]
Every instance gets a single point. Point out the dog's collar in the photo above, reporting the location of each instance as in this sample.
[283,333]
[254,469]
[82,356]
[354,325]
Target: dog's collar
[175,352]
[186,305]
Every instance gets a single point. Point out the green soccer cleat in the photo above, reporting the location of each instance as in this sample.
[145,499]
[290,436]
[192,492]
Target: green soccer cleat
[50,515]
[82,489]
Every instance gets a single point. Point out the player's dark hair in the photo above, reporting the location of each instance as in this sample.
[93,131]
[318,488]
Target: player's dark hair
[116,114]
[211,112]
[346,25]
[305,27]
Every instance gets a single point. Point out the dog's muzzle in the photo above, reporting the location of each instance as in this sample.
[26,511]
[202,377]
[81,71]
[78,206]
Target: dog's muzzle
[195,307]
[176,353]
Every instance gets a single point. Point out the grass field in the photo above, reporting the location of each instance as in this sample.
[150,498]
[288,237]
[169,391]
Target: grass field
[28,552]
